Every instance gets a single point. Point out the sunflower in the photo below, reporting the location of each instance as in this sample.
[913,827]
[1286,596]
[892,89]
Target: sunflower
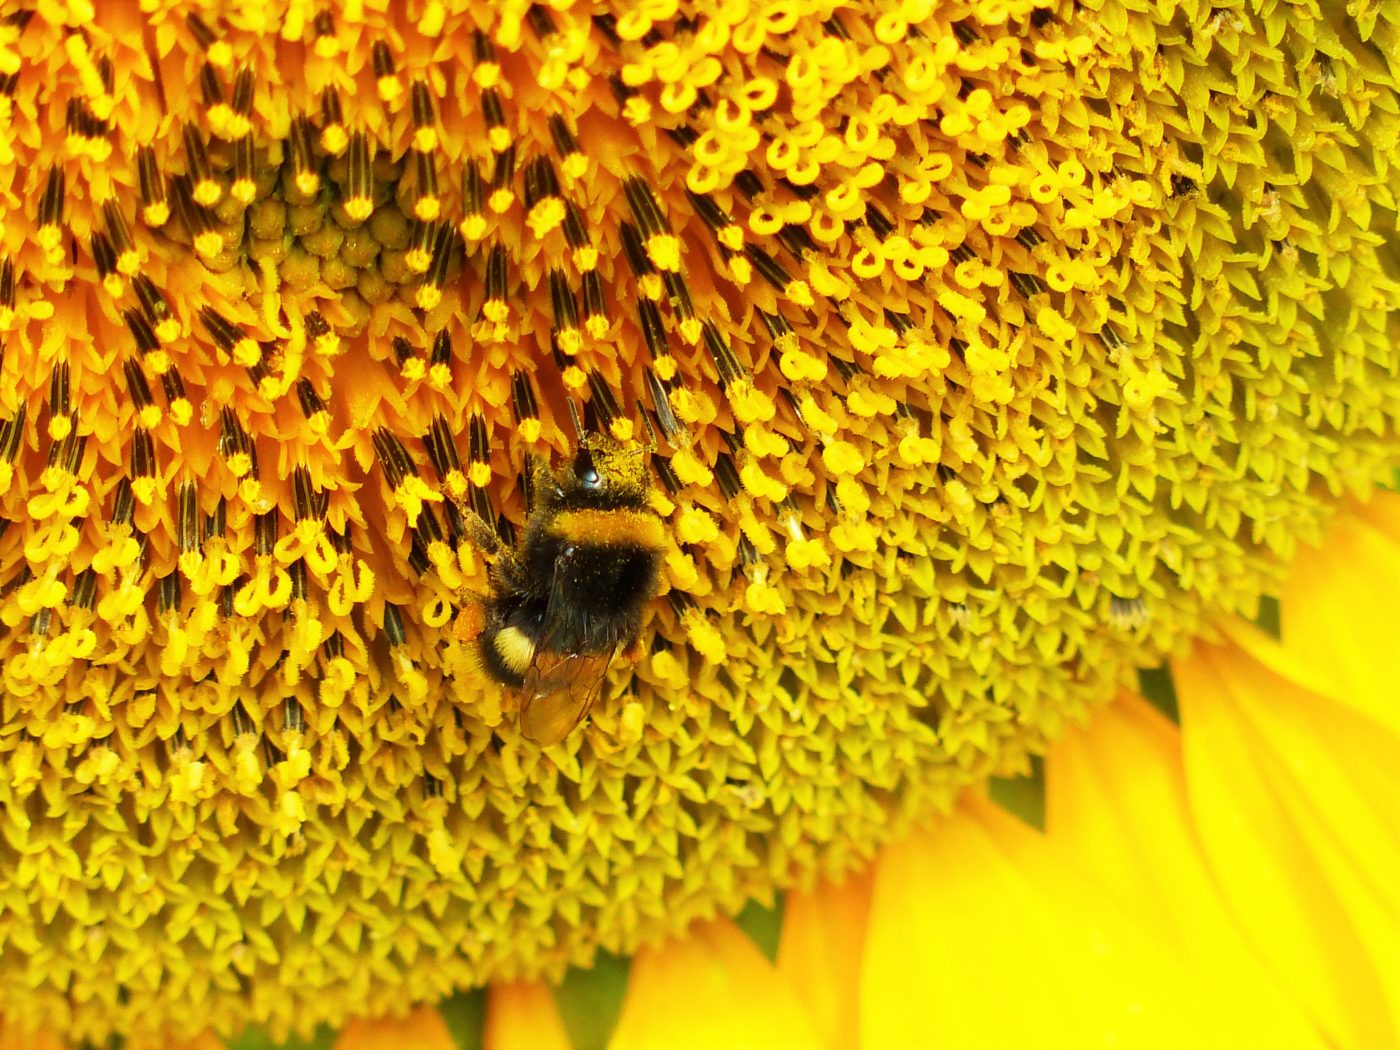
[983,353]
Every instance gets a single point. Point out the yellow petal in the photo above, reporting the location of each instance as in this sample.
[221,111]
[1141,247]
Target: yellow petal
[1294,797]
[711,989]
[1115,800]
[1338,608]
[983,935]
[523,1014]
[423,1029]
[819,953]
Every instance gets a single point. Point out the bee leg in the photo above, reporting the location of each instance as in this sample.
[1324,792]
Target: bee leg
[470,622]
[542,482]
[632,652]
[480,533]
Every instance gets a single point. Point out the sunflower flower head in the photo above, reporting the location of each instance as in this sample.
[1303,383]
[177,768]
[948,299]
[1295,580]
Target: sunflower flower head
[986,350]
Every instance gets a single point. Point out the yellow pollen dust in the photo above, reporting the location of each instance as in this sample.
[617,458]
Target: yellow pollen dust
[976,355]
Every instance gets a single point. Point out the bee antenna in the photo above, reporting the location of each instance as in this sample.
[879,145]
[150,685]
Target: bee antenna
[574,416]
[650,446]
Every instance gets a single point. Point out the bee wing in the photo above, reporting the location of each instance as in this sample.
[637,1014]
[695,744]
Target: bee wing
[559,694]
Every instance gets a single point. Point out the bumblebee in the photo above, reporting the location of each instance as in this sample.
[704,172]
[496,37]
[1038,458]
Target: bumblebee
[571,595]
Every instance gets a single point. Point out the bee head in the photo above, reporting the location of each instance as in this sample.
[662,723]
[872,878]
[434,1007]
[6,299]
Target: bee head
[603,472]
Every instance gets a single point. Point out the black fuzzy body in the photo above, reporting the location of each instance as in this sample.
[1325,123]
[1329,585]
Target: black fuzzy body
[569,593]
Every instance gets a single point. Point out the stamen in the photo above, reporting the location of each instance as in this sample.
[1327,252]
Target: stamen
[595,305]
[51,211]
[730,371]
[494,308]
[525,406]
[216,111]
[326,44]
[543,206]
[143,465]
[565,306]
[478,452]
[604,403]
[244,187]
[235,446]
[440,358]
[385,77]
[186,518]
[424,117]
[571,159]
[662,412]
[473,223]
[127,259]
[643,270]
[419,255]
[230,338]
[429,293]
[84,591]
[205,188]
[334,137]
[177,403]
[147,413]
[657,343]
[306,174]
[106,258]
[442,454]
[359,202]
[488,70]
[502,196]
[7,296]
[241,121]
[427,204]
[662,247]
[197,220]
